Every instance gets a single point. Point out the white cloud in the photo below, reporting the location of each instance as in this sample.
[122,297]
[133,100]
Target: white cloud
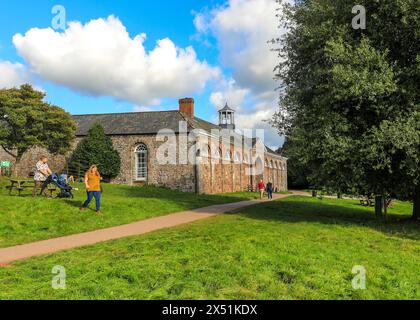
[142,109]
[12,74]
[255,118]
[200,22]
[242,29]
[100,58]
[229,93]
[251,111]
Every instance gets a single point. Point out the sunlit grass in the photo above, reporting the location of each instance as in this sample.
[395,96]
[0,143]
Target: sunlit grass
[26,219]
[296,248]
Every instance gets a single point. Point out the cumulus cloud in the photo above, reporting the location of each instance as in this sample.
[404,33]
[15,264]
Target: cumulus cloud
[242,29]
[255,118]
[12,74]
[252,111]
[100,58]
[229,93]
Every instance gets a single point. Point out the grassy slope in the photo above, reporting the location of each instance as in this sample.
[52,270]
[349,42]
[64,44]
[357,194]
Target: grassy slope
[296,248]
[25,219]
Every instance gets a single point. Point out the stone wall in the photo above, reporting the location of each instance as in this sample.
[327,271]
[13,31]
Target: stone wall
[26,165]
[275,171]
[217,175]
[230,174]
[174,176]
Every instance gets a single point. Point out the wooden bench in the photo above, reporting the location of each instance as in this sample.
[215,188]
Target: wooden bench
[19,185]
[368,202]
[51,190]
[22,184]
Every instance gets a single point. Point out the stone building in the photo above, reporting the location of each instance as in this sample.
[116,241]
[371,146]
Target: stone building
[177,150]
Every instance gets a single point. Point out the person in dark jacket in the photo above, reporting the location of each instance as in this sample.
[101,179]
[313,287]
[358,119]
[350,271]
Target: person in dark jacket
[270,191]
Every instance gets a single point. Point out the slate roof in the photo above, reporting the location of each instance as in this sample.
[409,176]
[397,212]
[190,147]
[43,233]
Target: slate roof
[198,123]
[138,123]
[226,108]
[130,123]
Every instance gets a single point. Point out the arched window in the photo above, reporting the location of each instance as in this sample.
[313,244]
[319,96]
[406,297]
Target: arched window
[246,159]
[227,155]
[141,158]
[271,164]
[266,163]
[276,165]
[215,153]
[259,169]
[237,157]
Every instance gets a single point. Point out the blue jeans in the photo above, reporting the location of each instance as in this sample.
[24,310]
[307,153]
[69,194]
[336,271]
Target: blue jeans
[90,195]
[270,193]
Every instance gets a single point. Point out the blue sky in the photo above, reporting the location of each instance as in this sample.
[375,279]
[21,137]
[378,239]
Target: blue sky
[221,55]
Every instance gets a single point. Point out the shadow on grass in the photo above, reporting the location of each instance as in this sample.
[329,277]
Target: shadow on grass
[345,213]
[74,203]
[180,200]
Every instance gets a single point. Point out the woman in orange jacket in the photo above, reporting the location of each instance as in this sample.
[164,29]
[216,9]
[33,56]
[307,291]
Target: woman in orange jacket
[93,188]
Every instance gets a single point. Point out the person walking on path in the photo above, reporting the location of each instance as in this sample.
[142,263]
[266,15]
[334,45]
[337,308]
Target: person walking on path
[261,188]
[41,174]
[93,188]
[269,190]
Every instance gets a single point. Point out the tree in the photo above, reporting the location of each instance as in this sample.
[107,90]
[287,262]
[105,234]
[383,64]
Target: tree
[27,121]
[96,148]
[350,99]
[297,174]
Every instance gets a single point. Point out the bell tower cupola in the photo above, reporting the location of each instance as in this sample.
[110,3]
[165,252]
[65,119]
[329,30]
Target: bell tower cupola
[227,118]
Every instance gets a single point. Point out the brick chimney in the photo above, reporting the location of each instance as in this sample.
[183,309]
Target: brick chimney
[186,106]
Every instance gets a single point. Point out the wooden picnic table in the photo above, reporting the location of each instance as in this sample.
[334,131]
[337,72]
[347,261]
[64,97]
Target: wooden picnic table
[22,184]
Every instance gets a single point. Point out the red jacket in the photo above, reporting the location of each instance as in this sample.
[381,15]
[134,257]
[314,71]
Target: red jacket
[261,186]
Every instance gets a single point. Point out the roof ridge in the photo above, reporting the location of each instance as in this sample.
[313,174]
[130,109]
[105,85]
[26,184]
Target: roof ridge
[185,118]
[117,113]
[201,119]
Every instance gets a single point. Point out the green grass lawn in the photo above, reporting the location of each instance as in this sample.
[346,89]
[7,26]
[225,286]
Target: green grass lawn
[25,219]
[295,248]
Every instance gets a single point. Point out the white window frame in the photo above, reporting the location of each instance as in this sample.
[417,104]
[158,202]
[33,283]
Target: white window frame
[141,149]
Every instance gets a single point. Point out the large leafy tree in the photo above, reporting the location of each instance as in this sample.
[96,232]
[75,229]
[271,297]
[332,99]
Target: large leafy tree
[96,148]
[297,173]
[350,98]
[27,121]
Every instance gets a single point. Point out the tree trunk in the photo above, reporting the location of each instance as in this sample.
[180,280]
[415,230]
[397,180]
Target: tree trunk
[416,204]
[385,205]
[378,206]
[15,167]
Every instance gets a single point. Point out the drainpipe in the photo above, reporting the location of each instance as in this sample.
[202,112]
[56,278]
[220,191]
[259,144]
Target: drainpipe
[196,172]
[197,175]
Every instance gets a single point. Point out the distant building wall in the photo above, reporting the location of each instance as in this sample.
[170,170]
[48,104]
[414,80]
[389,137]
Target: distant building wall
[28,161]
[212,176]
